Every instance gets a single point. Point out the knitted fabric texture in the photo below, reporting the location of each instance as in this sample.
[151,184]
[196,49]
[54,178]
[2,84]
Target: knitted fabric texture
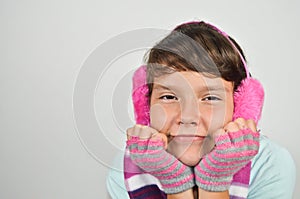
[150,156]
[233,151]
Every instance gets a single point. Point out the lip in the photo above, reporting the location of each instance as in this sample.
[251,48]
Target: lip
[187,138]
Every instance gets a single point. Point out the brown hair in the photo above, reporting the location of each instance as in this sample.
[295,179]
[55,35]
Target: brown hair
[196,46]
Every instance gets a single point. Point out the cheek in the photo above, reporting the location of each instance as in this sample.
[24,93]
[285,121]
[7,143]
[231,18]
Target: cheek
[158,117]
[211,119]
[219,117]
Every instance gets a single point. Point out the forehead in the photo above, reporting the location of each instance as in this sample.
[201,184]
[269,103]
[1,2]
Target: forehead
[190,79]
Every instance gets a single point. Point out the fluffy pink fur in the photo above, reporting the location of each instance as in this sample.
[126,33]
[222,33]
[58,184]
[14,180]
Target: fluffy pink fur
[139,97]
[248,99]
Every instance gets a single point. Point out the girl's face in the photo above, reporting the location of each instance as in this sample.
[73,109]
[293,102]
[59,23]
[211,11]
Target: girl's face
[189,108]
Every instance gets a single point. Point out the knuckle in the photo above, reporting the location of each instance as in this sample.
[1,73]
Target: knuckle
[251,122]
[129,130]
[240,120]
[231,127]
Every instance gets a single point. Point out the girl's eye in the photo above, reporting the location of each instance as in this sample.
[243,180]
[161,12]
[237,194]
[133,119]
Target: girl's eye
[168,97]
[211,98]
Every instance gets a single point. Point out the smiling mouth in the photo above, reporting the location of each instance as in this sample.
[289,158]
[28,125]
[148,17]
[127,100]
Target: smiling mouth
[187,138]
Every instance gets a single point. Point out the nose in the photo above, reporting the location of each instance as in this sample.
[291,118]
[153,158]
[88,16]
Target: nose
[190,113]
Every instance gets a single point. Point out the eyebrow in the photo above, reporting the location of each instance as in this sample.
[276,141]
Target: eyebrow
[160,87]
[209,88]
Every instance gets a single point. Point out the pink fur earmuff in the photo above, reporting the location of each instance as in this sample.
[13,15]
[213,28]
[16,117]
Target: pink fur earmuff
[140,96]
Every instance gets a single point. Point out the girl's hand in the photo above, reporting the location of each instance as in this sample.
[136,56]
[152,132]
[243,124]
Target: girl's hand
[147,150]
[240,124]
[146,133]
[236,145]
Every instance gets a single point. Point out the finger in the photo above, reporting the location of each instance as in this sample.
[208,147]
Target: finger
[129,133]
[134,131]
[161,137]
[241,122]
[232,127]
[145,132]
[140,131]
[251,125]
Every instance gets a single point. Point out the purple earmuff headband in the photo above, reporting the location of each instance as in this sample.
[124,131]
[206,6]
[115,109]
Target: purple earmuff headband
[227,37]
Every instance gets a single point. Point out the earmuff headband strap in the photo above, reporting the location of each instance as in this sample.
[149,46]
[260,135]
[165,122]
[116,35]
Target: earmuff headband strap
[227,37]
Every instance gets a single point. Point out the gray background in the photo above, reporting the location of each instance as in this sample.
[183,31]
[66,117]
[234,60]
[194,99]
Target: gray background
[44,45]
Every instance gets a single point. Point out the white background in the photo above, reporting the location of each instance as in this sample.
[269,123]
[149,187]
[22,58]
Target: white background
[43,45]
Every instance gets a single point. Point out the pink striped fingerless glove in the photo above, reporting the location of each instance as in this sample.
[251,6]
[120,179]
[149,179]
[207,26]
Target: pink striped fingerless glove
[232,152]
[151,156]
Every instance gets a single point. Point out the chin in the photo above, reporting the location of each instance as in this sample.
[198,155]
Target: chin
[189,155]
[189,161]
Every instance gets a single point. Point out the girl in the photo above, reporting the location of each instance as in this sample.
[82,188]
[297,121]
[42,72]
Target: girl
[196,136]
